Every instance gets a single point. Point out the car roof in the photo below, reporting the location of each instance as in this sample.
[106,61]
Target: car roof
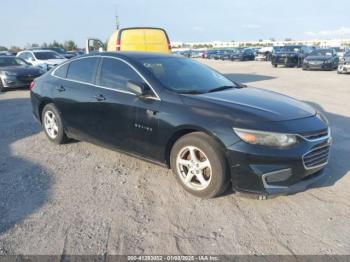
[133,55]
[42,50]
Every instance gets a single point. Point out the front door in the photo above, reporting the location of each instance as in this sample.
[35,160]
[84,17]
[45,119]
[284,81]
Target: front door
[120,118]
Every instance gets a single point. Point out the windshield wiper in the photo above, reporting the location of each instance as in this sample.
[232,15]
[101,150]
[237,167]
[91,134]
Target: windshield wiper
[191,92]
[220,88]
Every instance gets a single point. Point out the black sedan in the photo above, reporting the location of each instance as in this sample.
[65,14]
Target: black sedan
[321,59]
[15,73]
[243,54]
[181,114]
[290,56]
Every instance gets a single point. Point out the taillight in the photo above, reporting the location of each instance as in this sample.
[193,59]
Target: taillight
[169,45]
[118,44]
[31,86]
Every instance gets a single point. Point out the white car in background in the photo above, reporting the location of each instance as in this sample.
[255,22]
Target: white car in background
[341,50]
[264,54]
[46,59]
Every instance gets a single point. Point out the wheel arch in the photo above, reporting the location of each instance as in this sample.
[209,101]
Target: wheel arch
[42,104]
[185,130]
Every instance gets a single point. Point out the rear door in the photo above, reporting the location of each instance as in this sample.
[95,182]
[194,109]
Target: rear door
[73,94]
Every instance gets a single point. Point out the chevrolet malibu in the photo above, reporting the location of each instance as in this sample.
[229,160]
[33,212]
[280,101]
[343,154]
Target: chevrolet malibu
[212,132]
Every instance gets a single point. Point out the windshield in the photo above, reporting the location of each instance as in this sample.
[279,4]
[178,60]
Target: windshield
[59,50]
[185,75]
[12,61]
[290,49]
[322,52]
[47,55]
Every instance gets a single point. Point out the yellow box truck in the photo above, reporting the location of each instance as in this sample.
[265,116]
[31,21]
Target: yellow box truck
[143,39]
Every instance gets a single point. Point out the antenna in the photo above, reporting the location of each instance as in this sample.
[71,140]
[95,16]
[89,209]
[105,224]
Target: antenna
[117,25]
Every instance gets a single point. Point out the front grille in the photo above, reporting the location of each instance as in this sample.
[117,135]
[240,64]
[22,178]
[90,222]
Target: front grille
[316,135]
[316,157]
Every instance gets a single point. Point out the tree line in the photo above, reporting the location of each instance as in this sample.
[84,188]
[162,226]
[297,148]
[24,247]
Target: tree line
[69,45]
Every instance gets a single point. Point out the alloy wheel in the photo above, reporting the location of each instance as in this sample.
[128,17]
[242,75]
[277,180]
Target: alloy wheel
[50,123]
[194,168]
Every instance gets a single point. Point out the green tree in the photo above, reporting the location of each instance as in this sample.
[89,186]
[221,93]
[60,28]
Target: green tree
[2,48]
[15,49]
[70,45]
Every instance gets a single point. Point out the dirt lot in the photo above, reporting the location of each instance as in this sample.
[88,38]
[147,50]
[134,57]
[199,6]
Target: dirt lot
[82,199]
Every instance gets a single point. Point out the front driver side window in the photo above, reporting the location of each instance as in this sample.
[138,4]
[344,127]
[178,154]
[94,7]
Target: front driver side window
[115,74]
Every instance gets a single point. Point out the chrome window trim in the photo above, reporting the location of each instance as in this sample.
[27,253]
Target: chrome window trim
[104,87]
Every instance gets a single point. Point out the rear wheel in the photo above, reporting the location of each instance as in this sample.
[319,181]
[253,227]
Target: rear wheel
[52,124]
[199,165]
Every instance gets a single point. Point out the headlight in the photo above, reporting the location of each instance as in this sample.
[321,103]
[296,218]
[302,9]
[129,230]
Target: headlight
[322,117]
[266,138]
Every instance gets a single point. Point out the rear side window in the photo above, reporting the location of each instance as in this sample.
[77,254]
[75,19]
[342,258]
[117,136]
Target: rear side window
[82,70]
[62,70]
[115,74]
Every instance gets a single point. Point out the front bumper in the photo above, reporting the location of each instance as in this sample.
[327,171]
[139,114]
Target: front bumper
[267,171]
[318,66]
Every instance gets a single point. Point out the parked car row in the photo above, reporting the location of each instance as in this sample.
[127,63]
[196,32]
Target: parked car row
[310,58]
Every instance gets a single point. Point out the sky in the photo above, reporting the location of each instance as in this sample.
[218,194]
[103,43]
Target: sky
[38,21]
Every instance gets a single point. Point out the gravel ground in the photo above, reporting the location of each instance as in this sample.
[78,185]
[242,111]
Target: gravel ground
[79,198]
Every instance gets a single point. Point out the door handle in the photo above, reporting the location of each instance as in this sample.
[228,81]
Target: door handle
[60,89]
[100,98]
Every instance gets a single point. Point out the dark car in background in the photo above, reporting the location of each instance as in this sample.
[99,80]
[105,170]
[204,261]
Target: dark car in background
[243,54]
[177,112]
[291,55]
[213,53]
[218,54]
[16,73]
[321,59]
[226,54]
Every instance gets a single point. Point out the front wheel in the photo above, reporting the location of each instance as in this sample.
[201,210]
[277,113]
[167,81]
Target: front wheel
[52,124]
[199,165]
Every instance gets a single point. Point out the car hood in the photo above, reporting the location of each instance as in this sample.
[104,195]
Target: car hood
[25,69]
[254,103]
[318,58]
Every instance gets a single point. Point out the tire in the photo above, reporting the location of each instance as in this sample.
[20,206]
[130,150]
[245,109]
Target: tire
[2,89]
[54,129]
[274,65]
[212,179]
[299,64]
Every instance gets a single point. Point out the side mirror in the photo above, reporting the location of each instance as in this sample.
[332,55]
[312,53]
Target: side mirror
[139,89]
